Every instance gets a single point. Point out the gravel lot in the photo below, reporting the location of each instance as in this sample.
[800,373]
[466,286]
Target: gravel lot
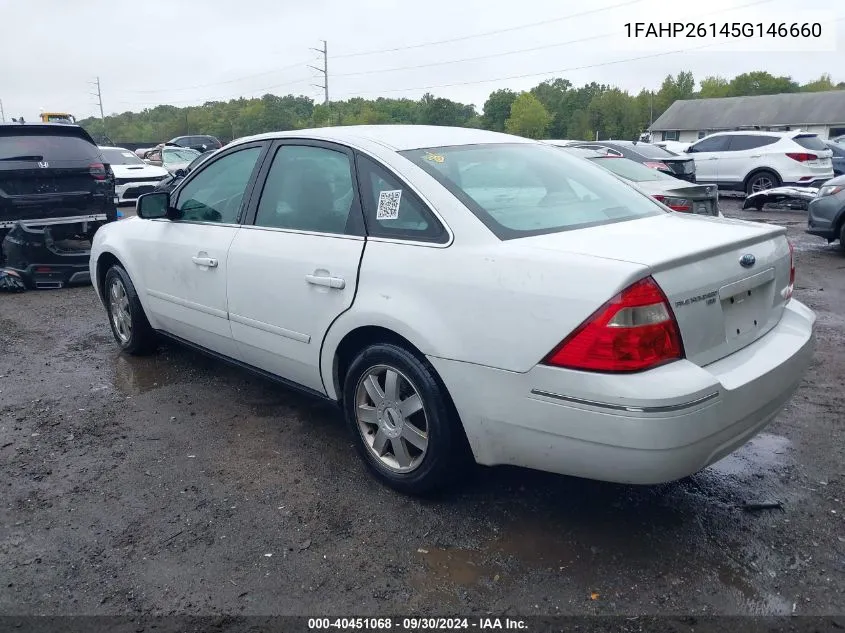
[176,484]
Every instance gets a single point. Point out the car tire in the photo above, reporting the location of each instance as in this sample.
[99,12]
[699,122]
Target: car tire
[432,450]
[842,236]
[759,179]
[129,324]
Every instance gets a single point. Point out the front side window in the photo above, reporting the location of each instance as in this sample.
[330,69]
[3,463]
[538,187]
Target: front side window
[711,144]
[216,193]
[307,189]
[522,189]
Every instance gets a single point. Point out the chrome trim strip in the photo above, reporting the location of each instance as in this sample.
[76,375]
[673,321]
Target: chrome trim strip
[272,329]
[278,229]
[623,407]
[188,304]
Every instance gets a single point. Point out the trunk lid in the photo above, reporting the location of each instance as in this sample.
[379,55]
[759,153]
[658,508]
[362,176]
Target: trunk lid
[721,305]
[681,167]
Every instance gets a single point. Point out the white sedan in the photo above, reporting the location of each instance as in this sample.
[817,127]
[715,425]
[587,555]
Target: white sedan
[132,175]
[468,295]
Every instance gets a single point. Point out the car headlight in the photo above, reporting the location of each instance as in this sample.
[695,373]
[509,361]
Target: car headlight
[829,190]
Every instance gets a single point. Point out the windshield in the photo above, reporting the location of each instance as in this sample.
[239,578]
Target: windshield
[522,189]
[179,155]
[117,156]
[629,170]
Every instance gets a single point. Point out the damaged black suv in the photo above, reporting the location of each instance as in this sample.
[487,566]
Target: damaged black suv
[56,190]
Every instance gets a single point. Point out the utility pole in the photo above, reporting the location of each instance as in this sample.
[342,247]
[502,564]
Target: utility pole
[2,113]
[325,72]
[99,96]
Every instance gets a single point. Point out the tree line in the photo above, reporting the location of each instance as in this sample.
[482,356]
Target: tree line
[552,109]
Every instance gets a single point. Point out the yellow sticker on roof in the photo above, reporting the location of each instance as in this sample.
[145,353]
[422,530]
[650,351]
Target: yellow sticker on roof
[435,158]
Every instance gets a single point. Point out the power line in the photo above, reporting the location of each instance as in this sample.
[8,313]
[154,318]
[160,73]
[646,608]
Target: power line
[539,74]
[223,98]
[486,33]
[391,50]
[219,83]
[521,50]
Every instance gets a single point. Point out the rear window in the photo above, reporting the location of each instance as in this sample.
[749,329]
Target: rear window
[629,170]
[650,151]
[523,189]
[116,156]
[810,141]
[48,147]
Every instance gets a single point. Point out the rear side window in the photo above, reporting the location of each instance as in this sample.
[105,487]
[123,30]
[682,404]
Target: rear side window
[810,141]
[740,142]
[391,209]
[523,189]
[48,147]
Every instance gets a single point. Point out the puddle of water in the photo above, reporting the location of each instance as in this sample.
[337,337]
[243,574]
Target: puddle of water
[455,566]
[746,596]
[135,375]
[764,453]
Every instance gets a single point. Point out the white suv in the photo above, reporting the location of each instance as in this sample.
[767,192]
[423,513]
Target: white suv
[753,161]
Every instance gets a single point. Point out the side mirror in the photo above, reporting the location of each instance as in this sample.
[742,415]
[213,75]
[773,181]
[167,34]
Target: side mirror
[154,205]
[180,173]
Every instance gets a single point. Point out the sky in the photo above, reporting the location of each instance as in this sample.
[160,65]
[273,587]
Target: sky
[186,52]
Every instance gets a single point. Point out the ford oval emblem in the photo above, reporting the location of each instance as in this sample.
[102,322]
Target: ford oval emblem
[747,260]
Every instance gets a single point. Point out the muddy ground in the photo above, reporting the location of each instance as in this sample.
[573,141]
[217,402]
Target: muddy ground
[176,484]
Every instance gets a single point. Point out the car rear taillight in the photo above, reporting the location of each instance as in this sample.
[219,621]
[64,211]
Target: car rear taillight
[98,171]
[787,292]
[634,331]
[802,157]
[656,165]
[676,204]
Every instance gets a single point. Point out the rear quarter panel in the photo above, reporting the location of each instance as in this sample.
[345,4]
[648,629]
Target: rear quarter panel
[499,306]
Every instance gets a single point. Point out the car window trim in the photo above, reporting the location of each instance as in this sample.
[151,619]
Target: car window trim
[250,215]
[248,192]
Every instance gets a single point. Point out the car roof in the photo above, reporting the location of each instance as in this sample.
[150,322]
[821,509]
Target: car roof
[396,137]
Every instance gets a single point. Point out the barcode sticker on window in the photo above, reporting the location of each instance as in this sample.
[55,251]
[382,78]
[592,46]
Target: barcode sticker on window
[388,205]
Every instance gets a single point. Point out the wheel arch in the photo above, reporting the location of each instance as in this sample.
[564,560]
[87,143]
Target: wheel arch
[758,170]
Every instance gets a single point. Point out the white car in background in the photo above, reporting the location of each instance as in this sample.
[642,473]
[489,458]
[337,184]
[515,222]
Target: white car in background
[465,294]
[752,161]
[133,176]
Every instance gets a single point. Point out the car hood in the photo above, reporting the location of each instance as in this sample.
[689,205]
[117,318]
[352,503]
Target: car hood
[173,167]
[138,171]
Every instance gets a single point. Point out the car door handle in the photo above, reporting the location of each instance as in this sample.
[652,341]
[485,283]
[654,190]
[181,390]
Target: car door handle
[328,282]
[205,261]
[713,158]
[756,155]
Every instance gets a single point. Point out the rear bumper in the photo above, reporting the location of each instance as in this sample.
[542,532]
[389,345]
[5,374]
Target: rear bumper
[43,263]
[816,182]
[645,428]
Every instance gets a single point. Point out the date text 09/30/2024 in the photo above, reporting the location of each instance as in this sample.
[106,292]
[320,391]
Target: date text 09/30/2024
[726,30]
[416,624]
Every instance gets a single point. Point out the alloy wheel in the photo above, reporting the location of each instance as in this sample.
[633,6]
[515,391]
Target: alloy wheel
[391,418]
[121,316]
